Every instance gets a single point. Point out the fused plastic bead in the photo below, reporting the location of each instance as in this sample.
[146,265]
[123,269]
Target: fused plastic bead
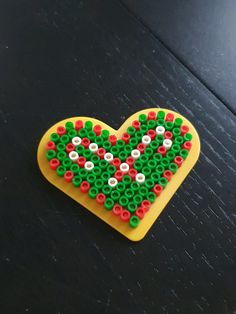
[88,125]
[122,156]
[142,118]
[124,167]
[140,178]
[121,187]
[83,173]
[69,125]
[151,115]
[85,142]
[167,174]
[168,135]
[123,201]
[103,164]
[114,151]
[132,207]
[135,186]
[146,171]
[112,182]
[146,140]
[178,160]
[126,138]
[141,147]
[115,195]
[76,140]
[61,130]
[178,122]
[133,142]
[70,147]
[101,152]
[77,181]
[88,165]
[126,180]
[105,134]
[67,163]
[170,155]
[157,189]
[169,117]
[50,154]
[146,205]
[161,114]
[100,198]
[135,153]
[79,125]
[109,203]
[163,182]
[75,168]
[51,145]
[187,145]
[97,129]
[93,192]
[60,171]
[54,163]
[143,191]
[132,173]
[99,183]
[54,137]
[117,209]
[111,169]
[173,167]
[184,129]
[61,147]
[112,139]
[160,130]
[176,132]
[119,175]
[151,134]
[131,130]
[108,157]
[106,190]
[151,197]
[93,147]
[91,178]
[125,215]
[130,161]
[188,137]
[151,124]
[81,161]
[73,156]
[129,193]
[183,153]
[105,176]
[161,150]
[140,212]
[138,165]
[95,159]
[136,124]
[68,176]
[106,145]
[137,199]
[116,162]
[72,133]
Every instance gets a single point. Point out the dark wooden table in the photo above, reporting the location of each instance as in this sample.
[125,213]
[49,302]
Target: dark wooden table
[63,58]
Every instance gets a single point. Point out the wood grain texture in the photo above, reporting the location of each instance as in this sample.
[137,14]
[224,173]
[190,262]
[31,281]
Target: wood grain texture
[201,33]
[62,58]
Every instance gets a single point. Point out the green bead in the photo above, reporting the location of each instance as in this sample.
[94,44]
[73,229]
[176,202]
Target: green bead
[106,190]
[155,176]
[152,163]
[123,155]
[138,135]
[135,186]
[176,132]
[99,183]
[69,125]
[54,137]
[66,163]
[151,197]
[148,152]
[160,169]
[131,130]
[105,176]
[103,164]
[83,133]
[163,182]
[188,137]
[154,145]
[129,193]
[123,201]
[105,134]
[60,171]
[65,139]
[109,203]
[61,147]
[178,122]
[157,157]
[133,142]
[160,122]
[143,191]
[79,149]
[87,154]
[138,165]
[106,145]
[120,144]
[91,136]
[83,173]
[126,180]
[151,124]
[88,125]
[76,181]
[183,153]
[120,187]
[128,149]
[173,167]
[169,125]
[138,199]
[72,133]
[115,195]
[142,118]
[99,141]
[74,168]
[93,192]
[143,129]
[161,114]
[95,159]
[144,159]
[132,207]
[149,183]
[175,148]
[134,221]
[111,169]
[179,140]
[96,171]
[114,151]
[146,171]
[50,154]
[170,155]
[91,178]
[165,162]
[159,138]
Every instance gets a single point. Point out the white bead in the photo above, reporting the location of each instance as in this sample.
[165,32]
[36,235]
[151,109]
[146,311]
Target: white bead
[112,182]
[124,167]
[108,157]
[93,147]
[146,139]
[73,156]
[135,153]
[76,140]
[160,130]
[140,178]
[167,143]
[89,165]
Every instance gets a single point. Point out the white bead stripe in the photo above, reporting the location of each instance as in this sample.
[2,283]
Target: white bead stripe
[73,156]
[135,153]
[160,130]
[93,147]
[108,157]
[124,167]
[112,182]
[140,178]
[76,140]
[89,165]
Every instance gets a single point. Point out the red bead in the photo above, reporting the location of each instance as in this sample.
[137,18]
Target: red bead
[68,176]
[50,145]
[187,145]
[178,160]
[85,142]
[141,147]
[61,130]
[169,117]
[136,124]
[70,147]
[130,161]
[54,163]
[118,175]
[126,138]
[116,162]
[84,187]
[157,189]
[140,212]
[167,174]
[132,173]
[117,209]
[151,115]
[146,205]
[81,161]
[97,129]
[101,152]
[125,215]
[161,150]
[112,139]
[152,134]
[100,198]
[184,129]
[168,135]
[79,124]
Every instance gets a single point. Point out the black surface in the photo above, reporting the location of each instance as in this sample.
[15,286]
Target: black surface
[201,33]
[65,58]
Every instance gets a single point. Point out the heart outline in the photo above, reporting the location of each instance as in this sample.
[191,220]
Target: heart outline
[90,204]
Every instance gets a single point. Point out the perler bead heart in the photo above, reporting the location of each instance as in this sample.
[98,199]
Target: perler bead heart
[127,176]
